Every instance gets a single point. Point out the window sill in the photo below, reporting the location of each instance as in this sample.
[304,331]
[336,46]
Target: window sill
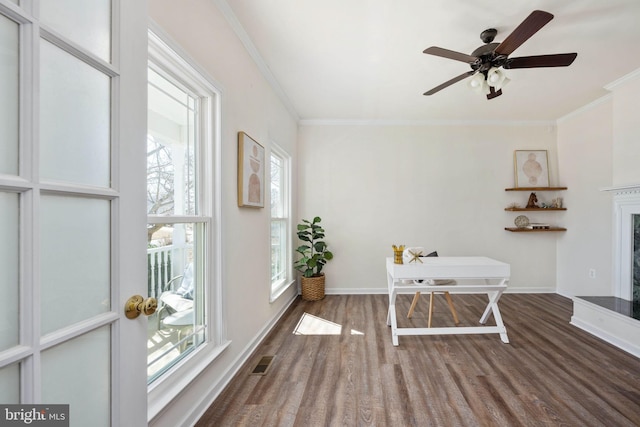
[162,391]
[279,290]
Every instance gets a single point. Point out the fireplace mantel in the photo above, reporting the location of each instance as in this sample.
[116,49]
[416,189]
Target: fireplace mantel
[626,204]
[629,188]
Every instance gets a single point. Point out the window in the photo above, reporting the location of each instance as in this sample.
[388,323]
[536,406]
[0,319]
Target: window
[183,219]
[280,228]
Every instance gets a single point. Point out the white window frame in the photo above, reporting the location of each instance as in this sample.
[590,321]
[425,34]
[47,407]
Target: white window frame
[278,287]
[167,55]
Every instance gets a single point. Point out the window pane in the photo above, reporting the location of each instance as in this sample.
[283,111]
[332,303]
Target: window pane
[10,384]
[278,251]
[9,262]
[171,148]
[78,372]
[87,23]
[75,262]
[279,223]
[277,202]
[9,79]
[175,264]
[74,119]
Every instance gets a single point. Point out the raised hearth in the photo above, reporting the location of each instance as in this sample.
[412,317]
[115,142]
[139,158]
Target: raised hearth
[612,319]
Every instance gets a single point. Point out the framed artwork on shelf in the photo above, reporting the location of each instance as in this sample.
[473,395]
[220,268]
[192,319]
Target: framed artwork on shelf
[251,168]
[531,168]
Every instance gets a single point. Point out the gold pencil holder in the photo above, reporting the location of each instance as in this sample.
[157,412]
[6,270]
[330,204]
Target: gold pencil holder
[397,253]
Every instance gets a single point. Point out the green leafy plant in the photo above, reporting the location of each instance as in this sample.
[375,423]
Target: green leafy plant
[314,253]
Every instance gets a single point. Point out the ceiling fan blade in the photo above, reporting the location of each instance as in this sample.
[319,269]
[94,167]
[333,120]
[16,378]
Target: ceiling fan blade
[526,29]
[557,60]
[449,82]
[450,54]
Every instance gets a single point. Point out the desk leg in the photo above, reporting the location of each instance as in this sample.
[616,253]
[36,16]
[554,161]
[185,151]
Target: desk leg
[391,314]
[492,307]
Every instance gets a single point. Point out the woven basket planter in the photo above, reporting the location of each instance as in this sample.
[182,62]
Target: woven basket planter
[313,288]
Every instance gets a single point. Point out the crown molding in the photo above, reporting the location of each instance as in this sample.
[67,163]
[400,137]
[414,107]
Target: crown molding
[382,122]
[242,34]
[585,108]
[622,80]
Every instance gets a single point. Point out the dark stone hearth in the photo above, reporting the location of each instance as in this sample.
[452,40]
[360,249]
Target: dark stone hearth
[619,305]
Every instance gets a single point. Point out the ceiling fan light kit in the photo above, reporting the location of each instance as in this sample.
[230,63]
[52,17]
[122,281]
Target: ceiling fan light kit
[489,61]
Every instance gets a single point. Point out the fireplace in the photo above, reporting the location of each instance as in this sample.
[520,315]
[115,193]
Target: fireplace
[626,251]
[616,318]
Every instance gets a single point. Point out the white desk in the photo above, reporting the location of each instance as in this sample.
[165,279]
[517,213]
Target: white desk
[492,276]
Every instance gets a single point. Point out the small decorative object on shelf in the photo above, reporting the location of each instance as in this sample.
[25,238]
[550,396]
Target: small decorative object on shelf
[397,253]
[533,201]
[521,221]
[538,226]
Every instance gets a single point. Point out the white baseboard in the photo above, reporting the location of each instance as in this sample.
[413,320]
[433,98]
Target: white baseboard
[214,391]
[370,291]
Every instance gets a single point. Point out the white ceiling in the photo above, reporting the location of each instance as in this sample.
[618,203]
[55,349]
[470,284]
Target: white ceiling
[362,60]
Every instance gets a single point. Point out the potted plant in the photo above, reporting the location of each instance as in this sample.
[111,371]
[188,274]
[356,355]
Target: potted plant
[314,255]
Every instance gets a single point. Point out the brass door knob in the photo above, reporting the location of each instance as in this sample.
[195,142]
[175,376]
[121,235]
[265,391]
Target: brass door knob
[136,305]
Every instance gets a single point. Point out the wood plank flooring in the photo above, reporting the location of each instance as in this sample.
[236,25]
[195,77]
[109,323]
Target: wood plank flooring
[551,374]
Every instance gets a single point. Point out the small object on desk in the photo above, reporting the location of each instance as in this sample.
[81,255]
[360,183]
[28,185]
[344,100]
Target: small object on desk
[415,255]
[397,253]
[521,221]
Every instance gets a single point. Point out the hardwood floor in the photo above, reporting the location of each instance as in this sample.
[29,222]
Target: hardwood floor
[550,374]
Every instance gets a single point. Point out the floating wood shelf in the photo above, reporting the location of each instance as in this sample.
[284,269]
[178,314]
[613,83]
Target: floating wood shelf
[536,189]
[534,209]
[534,230]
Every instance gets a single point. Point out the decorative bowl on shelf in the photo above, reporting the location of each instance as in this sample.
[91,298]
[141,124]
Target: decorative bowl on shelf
[521,221]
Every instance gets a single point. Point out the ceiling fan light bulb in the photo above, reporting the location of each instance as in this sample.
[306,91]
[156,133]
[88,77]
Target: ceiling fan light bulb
[503,83]
[477,83]
[494,76]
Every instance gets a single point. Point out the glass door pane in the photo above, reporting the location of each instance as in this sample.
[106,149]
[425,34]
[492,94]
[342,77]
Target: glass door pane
[75,119]
[87,23]
[77,373]
[9,107]
[9,265]
[75,265]
[10,384]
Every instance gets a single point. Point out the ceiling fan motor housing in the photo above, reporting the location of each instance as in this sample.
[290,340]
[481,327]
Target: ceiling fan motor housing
[488,35]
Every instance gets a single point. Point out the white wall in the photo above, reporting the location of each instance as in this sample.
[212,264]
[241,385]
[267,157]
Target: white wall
[248,104]
[626,149]
[441,187]
[585,159]
[597,148]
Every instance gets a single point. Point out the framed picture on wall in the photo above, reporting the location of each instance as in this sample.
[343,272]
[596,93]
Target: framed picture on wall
[251,168]
[531,168]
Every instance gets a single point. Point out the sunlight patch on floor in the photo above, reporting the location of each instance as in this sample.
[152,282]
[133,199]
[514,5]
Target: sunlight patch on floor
[314,325]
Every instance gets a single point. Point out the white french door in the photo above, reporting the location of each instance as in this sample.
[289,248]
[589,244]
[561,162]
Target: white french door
[72,207]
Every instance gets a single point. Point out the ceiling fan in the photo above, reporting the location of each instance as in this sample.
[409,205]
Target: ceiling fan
[487,60]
